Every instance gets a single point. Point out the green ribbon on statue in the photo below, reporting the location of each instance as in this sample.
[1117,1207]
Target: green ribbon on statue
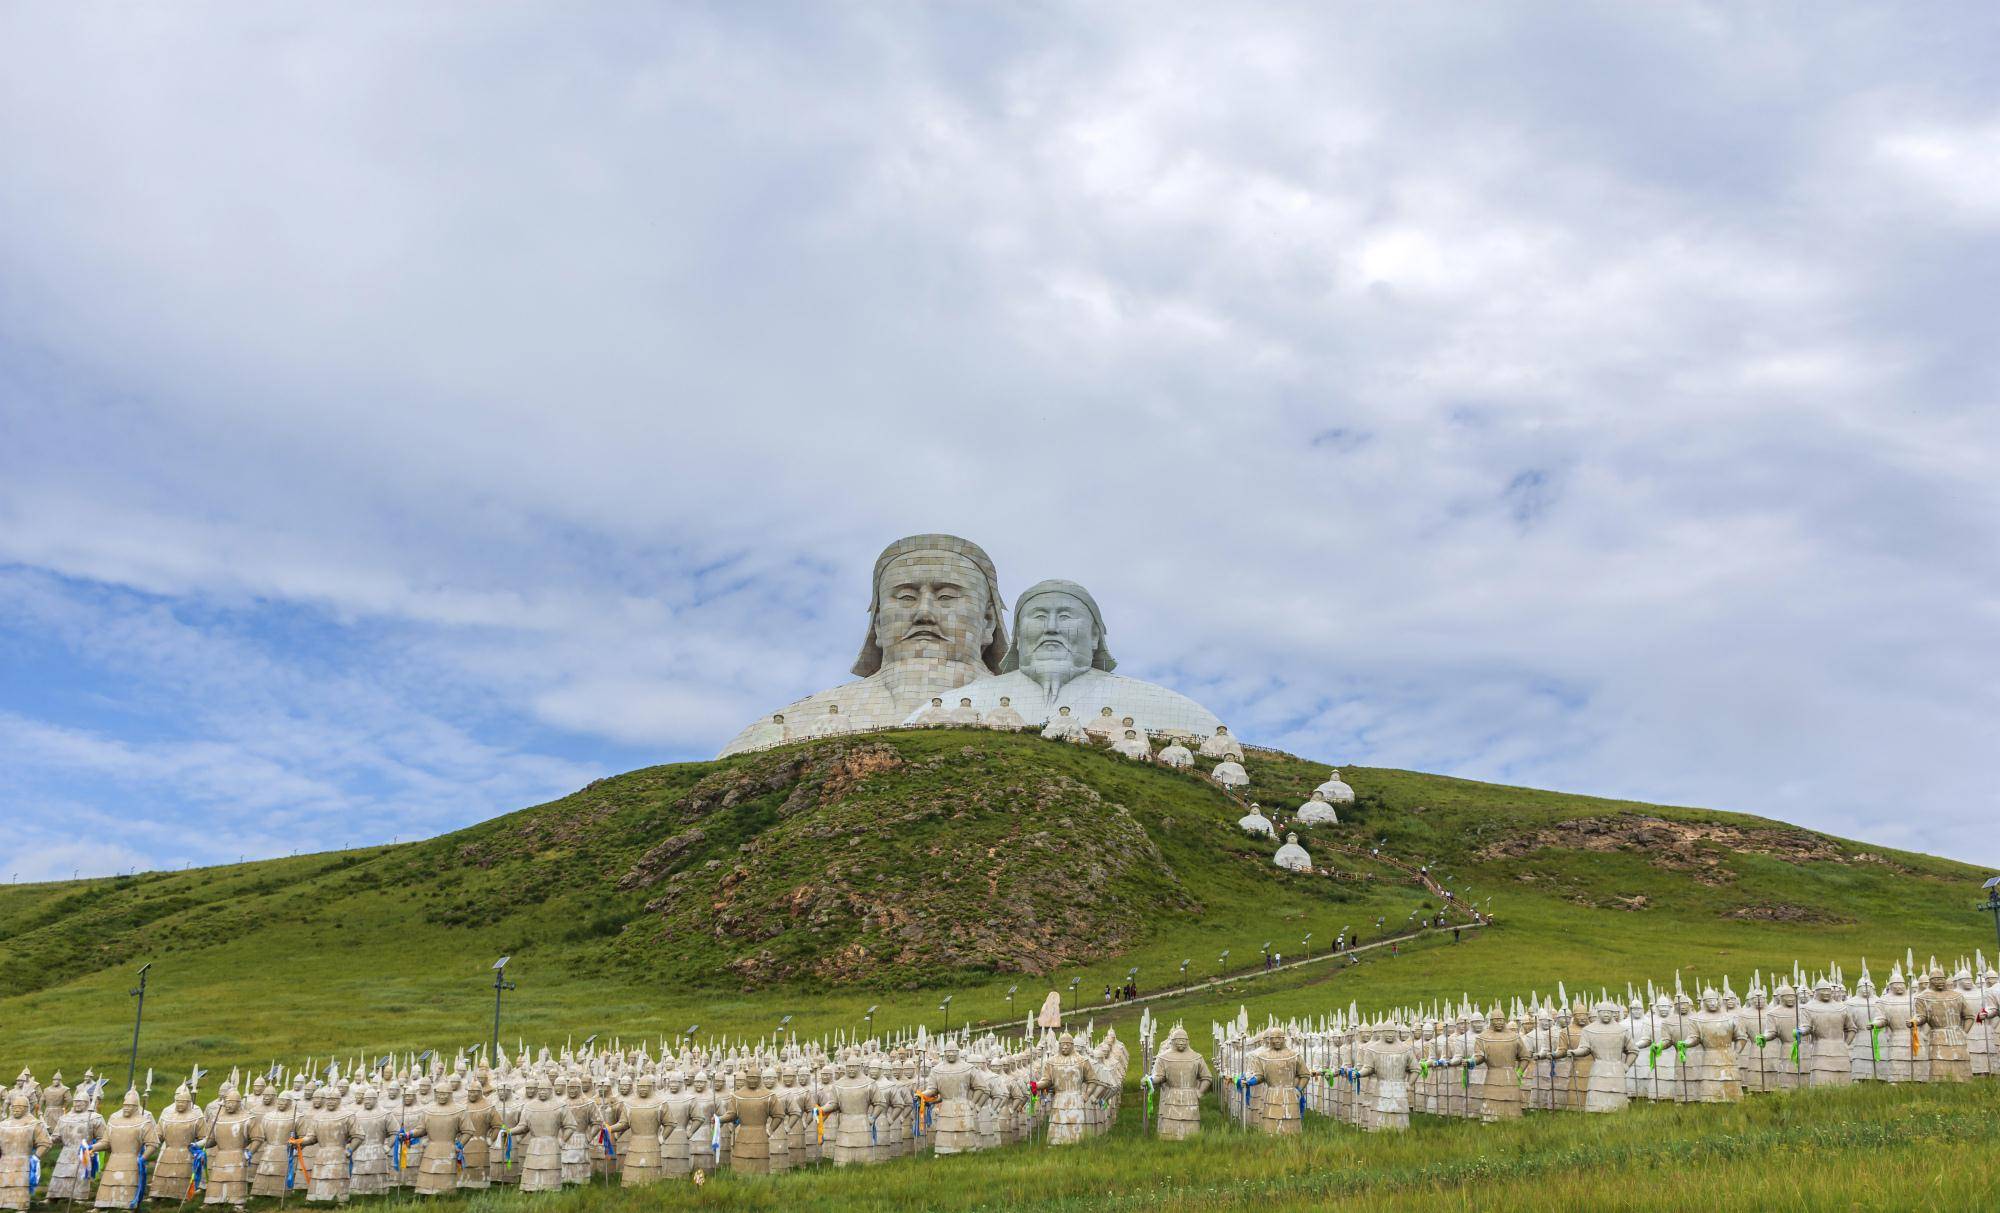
[1465,1077]
[1147,1082]
[1653,1052]
[1875,1041]
[1424,1067]
[1795,1050]
[1681,1051]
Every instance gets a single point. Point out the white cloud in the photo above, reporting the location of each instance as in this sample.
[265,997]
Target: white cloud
[418,410]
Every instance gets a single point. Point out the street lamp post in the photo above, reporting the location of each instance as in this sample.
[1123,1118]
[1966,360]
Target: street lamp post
[1184,965]
[138,1015]
[1267,953]
[1307,944]
[1074,982]
[869,1015]
[500,986]
[1010,1002]
[1222,960]
[945,1007]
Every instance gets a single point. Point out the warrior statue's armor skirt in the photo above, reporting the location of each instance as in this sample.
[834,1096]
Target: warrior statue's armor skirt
[1500,1097]
[370,1176]
[66,1185]
[674,1153]
[329,1173]
[1606,1093]
[270,1177]
[576,1160]
[1180,1113]
[439,1170]
[541,1167]
[1950,1062]
[119,1186]
[641,1163]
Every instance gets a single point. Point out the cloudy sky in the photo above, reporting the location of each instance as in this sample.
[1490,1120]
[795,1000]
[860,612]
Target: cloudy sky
[410,413]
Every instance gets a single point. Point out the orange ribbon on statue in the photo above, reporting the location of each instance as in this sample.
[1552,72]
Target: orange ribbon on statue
[298,1145]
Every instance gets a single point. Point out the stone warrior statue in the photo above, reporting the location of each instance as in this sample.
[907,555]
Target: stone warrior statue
[1607,1043]
[23,1137]
[1180,1078]
[79,1127]
[1941,1010]
[1502,1053]
[1388,1062]
[227,1144]
[1277,1078]
[1073,1079]
[953,1126]
[130,1136]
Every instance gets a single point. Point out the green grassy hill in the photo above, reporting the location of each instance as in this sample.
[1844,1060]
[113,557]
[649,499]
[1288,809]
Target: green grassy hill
[822,878]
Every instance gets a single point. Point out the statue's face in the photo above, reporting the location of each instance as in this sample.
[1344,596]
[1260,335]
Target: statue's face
[1604,1014]
[409,1099]
[1711,1002]
[369,1101]
[645,1086]
[181,1101]
[1058,635]
[231,1104]
[932,604]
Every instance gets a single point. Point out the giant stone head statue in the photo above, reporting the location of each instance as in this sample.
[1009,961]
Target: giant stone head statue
[934,596]
[1058,633]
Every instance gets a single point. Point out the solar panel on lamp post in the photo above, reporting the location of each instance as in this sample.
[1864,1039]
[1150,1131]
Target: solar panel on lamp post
[1992,906]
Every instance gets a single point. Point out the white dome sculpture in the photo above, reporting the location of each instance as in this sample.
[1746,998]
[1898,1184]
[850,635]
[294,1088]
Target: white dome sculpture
[1317,812]
[1131,745]
[1292,856]
[1176,756]
[1221,745]
[1334,790]
[1254,822]
[1005,717]
[1230,774]
[964,715]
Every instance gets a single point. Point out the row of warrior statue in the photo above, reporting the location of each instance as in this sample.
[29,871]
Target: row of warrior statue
[1373,1072]
[328,1134]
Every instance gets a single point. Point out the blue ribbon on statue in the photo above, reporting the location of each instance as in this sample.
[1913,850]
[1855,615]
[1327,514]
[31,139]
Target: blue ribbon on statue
[198,1169]
[715,1136]
[507,1149]
[88,1162]
[604,1139]
[871,1130]
[140,1195]
[401,1139]
[458,1154]
[34,1173]
[291,1165]
[1302,1105]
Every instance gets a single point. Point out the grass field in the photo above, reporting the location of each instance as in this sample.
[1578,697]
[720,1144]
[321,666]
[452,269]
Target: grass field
[1861,1148]
[951,862]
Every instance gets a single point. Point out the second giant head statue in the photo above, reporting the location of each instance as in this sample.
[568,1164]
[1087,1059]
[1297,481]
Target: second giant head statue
[1058,634]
